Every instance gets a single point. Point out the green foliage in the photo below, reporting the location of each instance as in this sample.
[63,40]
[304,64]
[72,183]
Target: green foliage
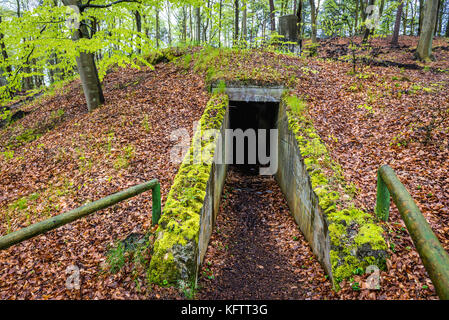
[221,87]
[116,257]
[8,154]
[6,115]
[122,161]
[27,136]
[310,49]
[39,42]
[188,289]
[145,124]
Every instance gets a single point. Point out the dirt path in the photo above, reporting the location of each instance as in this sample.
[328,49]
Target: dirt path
[256,250]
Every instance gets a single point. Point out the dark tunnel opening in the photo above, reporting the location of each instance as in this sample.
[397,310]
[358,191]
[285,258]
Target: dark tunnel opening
[250,117]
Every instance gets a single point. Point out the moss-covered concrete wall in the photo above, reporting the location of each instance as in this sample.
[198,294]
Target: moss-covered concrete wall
[344,238]
[192,203]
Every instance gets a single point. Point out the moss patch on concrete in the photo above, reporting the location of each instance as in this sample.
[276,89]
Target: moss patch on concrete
[175,250]
[356,240]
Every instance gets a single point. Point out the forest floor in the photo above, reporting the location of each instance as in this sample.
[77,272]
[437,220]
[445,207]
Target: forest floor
[256,250]
[396,116]
[58,157]
[63,157]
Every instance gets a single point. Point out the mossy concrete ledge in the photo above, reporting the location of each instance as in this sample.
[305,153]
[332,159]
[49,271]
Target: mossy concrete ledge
[193,201]
[346,240]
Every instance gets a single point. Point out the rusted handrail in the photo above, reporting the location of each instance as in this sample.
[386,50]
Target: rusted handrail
[67,217]
[432,253]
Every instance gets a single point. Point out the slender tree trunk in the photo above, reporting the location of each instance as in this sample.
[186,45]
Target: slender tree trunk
[4,52]
[381,9]
[18,8]
[405,17]
[87,69]
[272,16]
[184,24]
[146,26]
[299,15]
[412,20]
[206,25]
[437,19]
[139,29]
[192,37]
[198,25]
[368,31]
[313,13]
[219,22]
[356,20]
[169,24]
[157,28]
[37,78]
[251,30]
[421,15]
[424,49]
[440,19]
[447,29]
[397,24]
[244,18]
[236,20]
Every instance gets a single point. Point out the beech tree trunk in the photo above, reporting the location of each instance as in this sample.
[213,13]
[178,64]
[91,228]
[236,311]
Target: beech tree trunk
[87,68]
[272,16]
[236,20]
[447,29]
[157,28]
[4,53]
[219,22]
[424,49]
[198,25]
[168,22]
[299,15]
[192,36]
[313,12]
[244,20]
[405,17]
[368,31]
[184,24]
[138,28]
[421,15]
[437,20]
[397,24]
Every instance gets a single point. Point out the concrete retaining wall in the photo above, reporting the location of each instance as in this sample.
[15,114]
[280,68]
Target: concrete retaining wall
[214,190]
[294,180]
[193,202]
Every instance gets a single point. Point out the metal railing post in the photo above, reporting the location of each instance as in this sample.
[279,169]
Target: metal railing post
[432,253]
[383,199]
[156,208]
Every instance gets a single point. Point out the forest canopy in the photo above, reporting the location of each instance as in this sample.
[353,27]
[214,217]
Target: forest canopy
[43,41]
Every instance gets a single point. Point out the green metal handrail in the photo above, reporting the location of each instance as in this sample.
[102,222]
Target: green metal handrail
[432,253]
[67,217]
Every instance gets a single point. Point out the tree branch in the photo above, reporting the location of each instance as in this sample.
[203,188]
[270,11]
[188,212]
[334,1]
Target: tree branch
[89,5]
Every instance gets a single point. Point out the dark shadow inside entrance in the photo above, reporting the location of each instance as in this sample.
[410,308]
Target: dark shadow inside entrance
[250,117]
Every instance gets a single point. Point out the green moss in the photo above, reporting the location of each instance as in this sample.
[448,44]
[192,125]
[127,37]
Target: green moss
[356,241]
[371,234]
[164,55]
[180,222]
[349,215]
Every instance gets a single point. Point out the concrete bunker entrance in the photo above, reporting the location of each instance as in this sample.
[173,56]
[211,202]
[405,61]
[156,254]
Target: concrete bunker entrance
[253,222]
[253,129]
